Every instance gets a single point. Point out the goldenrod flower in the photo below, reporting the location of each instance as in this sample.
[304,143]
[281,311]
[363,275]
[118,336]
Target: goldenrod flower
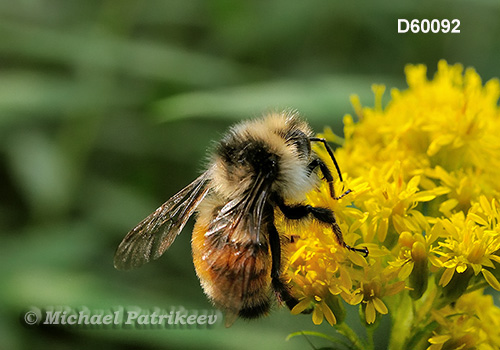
[470,243]
[423,171]
[471,323]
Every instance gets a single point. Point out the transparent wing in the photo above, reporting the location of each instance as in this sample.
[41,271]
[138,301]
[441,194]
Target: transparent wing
[153,235]
[239,220]
[243,215]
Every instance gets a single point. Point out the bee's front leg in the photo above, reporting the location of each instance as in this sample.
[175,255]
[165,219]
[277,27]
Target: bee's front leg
[325,171]
[325,215]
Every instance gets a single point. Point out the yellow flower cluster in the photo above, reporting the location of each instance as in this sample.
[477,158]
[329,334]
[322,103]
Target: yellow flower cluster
[423,171]
[472,323]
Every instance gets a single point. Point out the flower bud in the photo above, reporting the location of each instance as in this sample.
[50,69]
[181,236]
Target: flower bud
[419,276]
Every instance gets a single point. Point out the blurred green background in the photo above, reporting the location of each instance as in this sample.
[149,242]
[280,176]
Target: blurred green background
[107,109]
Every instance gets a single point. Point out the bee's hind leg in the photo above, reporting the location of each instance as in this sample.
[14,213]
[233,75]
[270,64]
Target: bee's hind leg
[279,285]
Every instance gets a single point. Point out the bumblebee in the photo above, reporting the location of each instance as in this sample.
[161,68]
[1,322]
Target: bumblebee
[258,167]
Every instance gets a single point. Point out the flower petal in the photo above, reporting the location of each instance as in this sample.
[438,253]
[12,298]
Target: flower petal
[446,277]
[380,306]
[317,316]
[370,314]
[491,279]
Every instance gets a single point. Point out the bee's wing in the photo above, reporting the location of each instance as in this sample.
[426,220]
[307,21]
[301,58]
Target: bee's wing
[240,220]
[243,215]
[153,235]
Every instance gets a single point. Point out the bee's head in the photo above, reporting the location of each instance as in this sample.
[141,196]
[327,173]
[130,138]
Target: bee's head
[278,146]
[300,141]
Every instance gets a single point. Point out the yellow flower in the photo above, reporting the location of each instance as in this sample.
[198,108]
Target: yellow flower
[374,284]
[471,323]
[470,243]
[423,171]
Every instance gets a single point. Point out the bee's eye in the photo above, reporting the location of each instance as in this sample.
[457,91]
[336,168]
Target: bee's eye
[301,142]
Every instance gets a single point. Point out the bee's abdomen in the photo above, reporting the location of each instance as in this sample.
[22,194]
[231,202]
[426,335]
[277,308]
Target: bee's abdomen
[236,277]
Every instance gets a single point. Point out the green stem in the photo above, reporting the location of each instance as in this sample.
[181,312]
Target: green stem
[474,287]
[319,335]
[369,332]
[356,342]
[402,322]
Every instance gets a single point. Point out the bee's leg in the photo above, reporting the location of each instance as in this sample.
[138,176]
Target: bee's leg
[330,153]
[327,174]
[325,171]
[296,212]
[278,284]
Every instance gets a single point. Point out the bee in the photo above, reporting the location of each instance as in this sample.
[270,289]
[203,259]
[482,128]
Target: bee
[258,167]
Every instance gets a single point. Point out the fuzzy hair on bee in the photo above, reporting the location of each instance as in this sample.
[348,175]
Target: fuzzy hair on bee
[258,167]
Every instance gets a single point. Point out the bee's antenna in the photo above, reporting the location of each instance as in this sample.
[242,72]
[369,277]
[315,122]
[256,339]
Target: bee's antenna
[330,152]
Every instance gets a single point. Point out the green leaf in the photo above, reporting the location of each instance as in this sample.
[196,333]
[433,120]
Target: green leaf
[312,97]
